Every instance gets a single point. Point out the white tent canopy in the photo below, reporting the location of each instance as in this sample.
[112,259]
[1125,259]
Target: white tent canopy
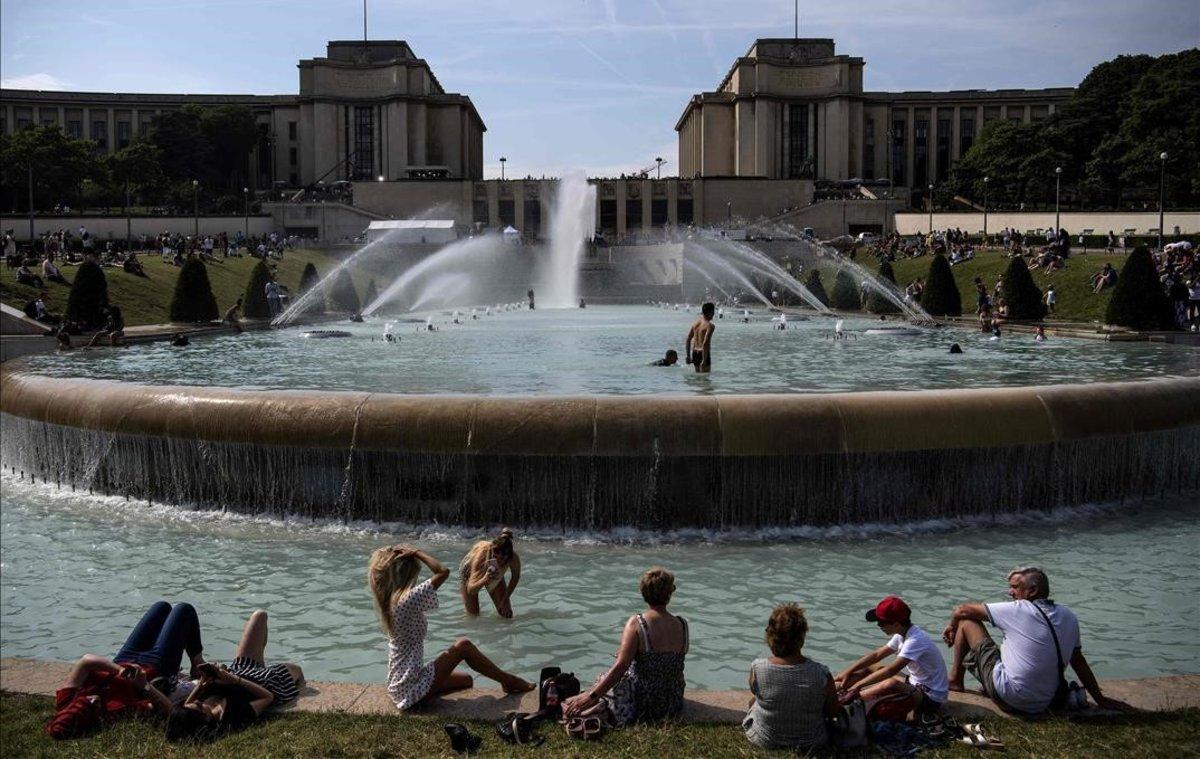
[432,231]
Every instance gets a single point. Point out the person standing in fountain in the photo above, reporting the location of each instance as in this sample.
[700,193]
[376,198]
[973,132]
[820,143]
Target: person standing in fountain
[484,567]
[697,346]
[401,603]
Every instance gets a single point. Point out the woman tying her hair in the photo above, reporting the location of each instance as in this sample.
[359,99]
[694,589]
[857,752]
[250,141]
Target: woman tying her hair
[401,603]
[483,567]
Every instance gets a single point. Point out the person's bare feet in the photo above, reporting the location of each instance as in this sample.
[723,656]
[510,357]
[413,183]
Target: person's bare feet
[515,684]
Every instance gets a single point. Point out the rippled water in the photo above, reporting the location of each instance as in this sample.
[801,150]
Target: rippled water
[77,571]
[607,350]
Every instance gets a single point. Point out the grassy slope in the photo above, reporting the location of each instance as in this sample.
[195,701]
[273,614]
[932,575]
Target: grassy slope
[147,300]
[1076,302]
[1174,734]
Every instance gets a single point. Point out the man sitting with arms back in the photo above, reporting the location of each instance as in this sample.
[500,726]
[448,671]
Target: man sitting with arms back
[1023,675]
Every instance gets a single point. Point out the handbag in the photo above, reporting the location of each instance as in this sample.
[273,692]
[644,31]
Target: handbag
[849,728]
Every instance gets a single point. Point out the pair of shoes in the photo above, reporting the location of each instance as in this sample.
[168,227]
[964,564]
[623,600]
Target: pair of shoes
[462,740]
[973,735]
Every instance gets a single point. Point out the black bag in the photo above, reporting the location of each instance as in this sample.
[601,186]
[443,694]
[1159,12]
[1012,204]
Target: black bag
[555,687]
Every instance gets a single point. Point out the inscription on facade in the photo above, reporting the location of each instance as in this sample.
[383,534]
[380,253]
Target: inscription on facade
[793,80]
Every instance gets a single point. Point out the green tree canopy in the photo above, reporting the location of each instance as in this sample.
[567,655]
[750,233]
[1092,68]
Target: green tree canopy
[308,280]
[1138,300]
[877,303]
[1023,296]
[60,165]
[342,295]
[193,300]
[816,286]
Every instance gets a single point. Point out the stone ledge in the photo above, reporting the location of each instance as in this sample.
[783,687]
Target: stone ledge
[42,678]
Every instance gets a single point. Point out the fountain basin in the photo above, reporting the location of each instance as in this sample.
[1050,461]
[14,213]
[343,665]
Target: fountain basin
[603,461]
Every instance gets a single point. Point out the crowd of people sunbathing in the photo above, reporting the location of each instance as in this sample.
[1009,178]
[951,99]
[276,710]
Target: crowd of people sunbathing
[795,702]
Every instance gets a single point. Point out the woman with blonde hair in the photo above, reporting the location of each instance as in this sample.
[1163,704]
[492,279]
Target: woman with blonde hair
[401,603]
[484,567]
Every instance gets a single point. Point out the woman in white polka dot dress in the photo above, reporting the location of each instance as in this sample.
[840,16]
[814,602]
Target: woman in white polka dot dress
[402,604]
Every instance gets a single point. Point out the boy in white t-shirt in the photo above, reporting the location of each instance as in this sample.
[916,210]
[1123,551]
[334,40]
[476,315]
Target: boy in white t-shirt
[927,682]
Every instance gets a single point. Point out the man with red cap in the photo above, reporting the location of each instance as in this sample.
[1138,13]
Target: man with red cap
[926,685]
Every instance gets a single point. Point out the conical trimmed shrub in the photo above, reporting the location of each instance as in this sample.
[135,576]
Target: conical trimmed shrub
[254,302]
[940,296]
[89,296]
[1138,300]
[845,293]
[342,295]
[877,303]
[371,293]
[1023,296]
[308,280]
[816,286]
[193,300]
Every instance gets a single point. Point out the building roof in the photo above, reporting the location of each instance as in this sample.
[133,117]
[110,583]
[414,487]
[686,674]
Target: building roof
[412,224]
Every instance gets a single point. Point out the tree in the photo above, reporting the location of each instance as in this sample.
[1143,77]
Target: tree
[342,295]
[232,134]
[1138,300]
[816,287]
[308,280]
[211,145]
[137,165]
[88,297]
[876,302]
[193,300]
[845,293]
[184,149]
[1023,296]
[59,165]
[254,303]
[371,293]
[940,296]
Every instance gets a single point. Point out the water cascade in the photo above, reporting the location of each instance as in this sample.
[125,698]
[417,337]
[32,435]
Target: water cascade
[572,224]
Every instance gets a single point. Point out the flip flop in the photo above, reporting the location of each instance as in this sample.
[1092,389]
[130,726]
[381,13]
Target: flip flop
[462,740]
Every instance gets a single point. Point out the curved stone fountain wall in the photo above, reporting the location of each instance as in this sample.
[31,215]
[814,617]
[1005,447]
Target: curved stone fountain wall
[597,462]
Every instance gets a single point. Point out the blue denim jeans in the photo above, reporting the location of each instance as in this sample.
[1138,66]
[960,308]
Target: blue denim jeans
[161,637]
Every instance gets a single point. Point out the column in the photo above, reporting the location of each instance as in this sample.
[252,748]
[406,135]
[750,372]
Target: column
[1026,117]
[647,199]
[619,186]
[956,142]
[745,134]
[417,124]
[112,131]
[910,146]
[519,205]
[673,203]
[493,203]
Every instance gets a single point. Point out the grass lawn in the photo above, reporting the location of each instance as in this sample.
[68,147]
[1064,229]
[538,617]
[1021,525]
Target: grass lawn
[147,300]
[1173,734]
[1076,302]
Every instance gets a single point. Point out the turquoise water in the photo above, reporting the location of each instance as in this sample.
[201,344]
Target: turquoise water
[77,570]
[607,350]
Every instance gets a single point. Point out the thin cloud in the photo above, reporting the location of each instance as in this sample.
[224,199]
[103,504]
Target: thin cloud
[35,82]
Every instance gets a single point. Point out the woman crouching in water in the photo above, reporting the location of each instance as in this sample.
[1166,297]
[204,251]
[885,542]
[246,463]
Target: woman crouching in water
[402,603]
[484,567]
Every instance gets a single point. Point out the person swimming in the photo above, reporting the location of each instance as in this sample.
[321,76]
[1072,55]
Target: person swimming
[1039,334]
[782,322]
[720,313]
[745,316]
[956,348]
[668,360]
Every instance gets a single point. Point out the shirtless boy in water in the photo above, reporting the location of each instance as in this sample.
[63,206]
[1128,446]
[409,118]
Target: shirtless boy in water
[697,346]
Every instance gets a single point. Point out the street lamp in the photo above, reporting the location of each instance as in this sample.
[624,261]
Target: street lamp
[380,177]
[930,209]
[985,189]
[729,214]
[246,211]
[502,161]
[1057,188]
[659,161]
[1162,177]
[195,209]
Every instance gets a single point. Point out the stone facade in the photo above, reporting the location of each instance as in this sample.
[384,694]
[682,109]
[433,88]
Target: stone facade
[793,108]
[365,110]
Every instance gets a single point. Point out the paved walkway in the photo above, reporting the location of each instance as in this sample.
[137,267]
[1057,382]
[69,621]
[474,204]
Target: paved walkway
[43,677]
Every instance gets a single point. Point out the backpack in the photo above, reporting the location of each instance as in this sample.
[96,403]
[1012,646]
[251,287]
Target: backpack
[555,687]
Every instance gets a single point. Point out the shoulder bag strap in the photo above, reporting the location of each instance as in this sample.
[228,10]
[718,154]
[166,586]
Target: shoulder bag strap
[1057,648]
[686,638]
[644,633]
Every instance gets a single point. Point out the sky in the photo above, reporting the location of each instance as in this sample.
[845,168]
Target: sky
[574,84]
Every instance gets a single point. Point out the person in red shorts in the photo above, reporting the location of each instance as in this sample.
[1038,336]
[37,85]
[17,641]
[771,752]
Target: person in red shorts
[100,690]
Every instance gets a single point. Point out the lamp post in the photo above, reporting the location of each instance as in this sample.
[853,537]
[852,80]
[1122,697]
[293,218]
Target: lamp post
[502,162]
[1057,188]
[659,161]
[195,209]
[1162,180]
[930,209]
[985,189]
[729,214]
[246,212]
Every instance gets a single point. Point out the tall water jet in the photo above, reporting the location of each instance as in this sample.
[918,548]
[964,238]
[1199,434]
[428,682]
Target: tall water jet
[572,224]
[463,256]
[300,305]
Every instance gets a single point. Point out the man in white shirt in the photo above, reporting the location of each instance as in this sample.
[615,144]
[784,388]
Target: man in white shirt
[1023,675]
[926,686]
